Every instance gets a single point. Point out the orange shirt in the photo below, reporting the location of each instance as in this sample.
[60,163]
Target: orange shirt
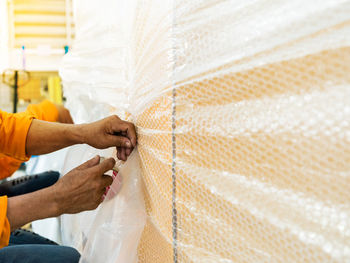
[13,134]
[45,111]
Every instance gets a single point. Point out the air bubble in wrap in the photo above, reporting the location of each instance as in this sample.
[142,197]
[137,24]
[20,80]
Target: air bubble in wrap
[242,110]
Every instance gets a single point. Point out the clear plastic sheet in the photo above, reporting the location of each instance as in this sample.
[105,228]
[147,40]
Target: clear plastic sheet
[242,110]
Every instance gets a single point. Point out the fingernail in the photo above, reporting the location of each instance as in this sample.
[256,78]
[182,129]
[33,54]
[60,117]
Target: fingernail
[128,144]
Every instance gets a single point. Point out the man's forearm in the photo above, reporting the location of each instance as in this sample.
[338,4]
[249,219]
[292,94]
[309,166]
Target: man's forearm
[33,206]
[46,137]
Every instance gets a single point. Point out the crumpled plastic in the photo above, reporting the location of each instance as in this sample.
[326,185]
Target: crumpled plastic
[116,226]
[242,112]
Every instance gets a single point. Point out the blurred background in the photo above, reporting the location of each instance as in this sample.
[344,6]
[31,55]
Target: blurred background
[34,36]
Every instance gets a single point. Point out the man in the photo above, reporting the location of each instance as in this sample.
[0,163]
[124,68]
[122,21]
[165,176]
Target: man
[81,189]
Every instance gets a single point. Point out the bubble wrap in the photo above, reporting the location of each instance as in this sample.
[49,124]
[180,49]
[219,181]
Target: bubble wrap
[242,110]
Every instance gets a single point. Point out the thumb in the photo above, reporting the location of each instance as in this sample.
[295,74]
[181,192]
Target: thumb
[90,163]
[105,166]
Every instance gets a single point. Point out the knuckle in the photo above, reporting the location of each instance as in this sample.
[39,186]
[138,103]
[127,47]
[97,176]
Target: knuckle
[115,118]
[96,171]
[132,125]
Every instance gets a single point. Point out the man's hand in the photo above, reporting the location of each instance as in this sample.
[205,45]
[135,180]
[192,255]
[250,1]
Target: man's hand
[82,188]
[46,137]
[111,131]
[64,115]
[79,190]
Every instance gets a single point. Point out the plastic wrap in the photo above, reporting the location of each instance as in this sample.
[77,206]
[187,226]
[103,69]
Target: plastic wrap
[242,110]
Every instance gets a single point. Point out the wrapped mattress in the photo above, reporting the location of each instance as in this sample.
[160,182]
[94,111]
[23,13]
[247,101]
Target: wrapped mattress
[242,110]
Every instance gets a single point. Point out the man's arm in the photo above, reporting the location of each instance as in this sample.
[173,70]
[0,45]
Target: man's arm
[45,111]
[45,137]
[79,190]
[26,208]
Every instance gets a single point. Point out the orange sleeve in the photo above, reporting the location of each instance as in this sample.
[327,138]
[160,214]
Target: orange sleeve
[5,229]
[45,111]
[8,166]
[13,134]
